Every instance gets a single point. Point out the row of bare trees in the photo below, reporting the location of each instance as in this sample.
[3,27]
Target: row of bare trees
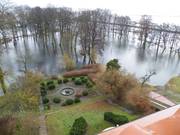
[64,28]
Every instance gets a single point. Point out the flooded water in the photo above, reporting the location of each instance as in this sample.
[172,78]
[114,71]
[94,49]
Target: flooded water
[131,58]
[138,62]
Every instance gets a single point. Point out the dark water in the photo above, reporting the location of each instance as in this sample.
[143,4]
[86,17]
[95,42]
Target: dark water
[131,58]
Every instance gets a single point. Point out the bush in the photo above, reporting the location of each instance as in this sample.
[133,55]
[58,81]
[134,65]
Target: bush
[45,100]
[79,127]
[78,81]
[113,64]
[108,116]
[50,82]
[65,80]
[84,80]
[51,87]
[60,81]
[120,119]
[115,119]
[43,92]
[47,107]
[42,84]
[85,93]
[73,78]
[56,100]
[43,87]
[77,100]
[89,85]
[69,102]
[82,77]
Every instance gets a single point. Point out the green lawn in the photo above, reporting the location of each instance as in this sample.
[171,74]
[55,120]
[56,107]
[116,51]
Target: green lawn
[60,122]
[174,84]
[172,90]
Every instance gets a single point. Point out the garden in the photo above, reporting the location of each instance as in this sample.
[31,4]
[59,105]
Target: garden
[93,110]
[65,91]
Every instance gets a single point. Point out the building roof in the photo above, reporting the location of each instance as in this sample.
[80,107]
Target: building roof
[157,97]
[134,130]
[161,123]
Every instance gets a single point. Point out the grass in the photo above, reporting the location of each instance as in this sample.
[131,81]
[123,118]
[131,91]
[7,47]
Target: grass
[172,90]
[174,84]
[60,120]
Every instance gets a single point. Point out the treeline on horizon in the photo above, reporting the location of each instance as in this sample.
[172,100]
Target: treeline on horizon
[88,28]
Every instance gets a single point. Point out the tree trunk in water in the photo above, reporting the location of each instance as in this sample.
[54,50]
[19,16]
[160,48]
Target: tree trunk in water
[75,51]
[158,45]
[145,39]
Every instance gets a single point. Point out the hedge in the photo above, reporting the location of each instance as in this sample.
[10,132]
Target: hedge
[45,100]
[43,92]
[79,127]
[43,87]
[89,85]
[56,100]
[84,80]
[42,84]
[51,87]
[82,77]
[85,93]
[47,107]
[77,100]
[65,80]
[50,82]
[115,119]
[60,81]
[78,81]
[69,102]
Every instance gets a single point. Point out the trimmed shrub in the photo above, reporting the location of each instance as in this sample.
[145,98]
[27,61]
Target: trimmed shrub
[85,93]
[47,107]
[79,127]
[51,87]
[84,80]
[42,84]
[89,85]
[69,102]
[82,77]
[65,80]
[43,87]
[60,81]
[108,116]
[56,100]
[43,93]
[45,100]
[77,100]
[50,82]
[120,119]
[115,119]
[78,81]
[73,78]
